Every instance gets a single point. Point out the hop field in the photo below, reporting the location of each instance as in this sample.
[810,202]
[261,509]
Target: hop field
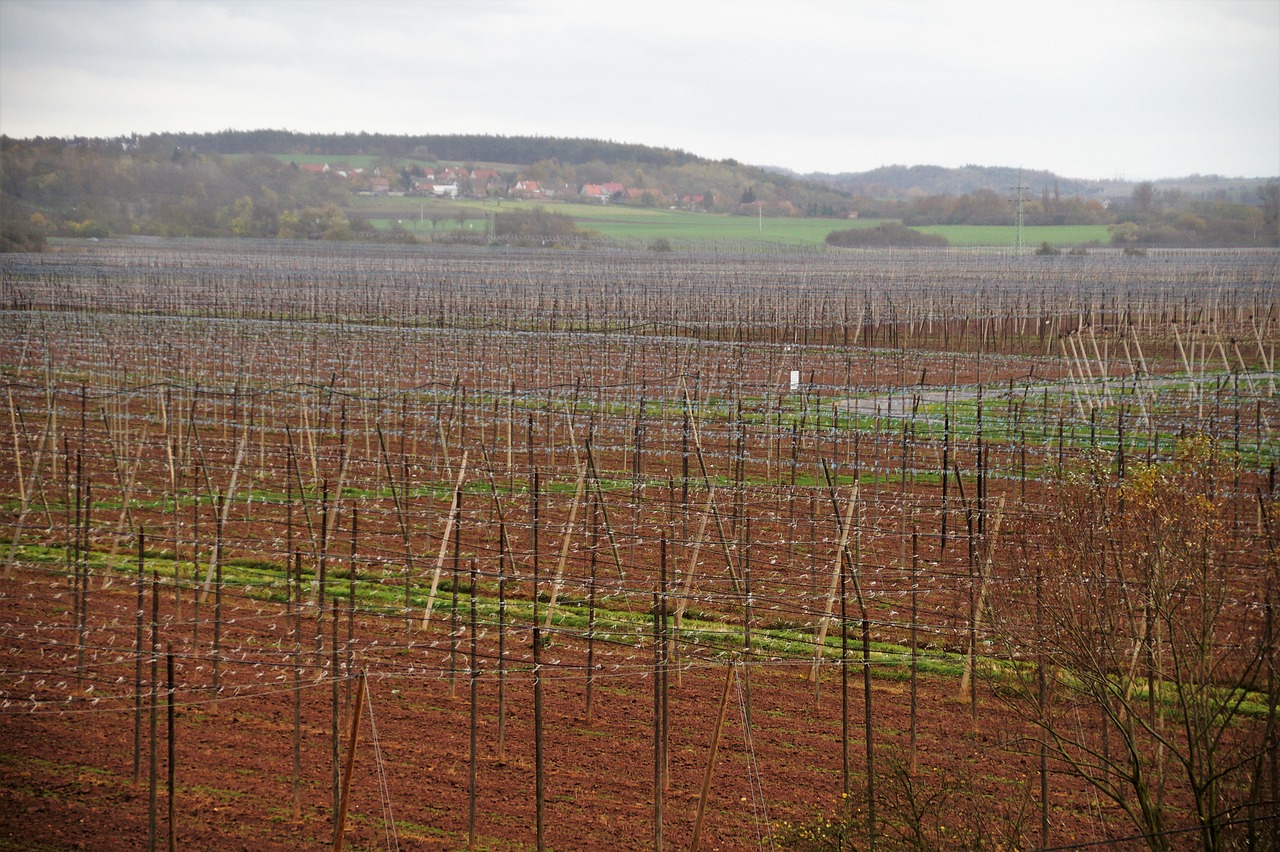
[564,547]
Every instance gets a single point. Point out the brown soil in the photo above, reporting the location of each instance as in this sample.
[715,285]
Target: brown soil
[152,408]
[67,779]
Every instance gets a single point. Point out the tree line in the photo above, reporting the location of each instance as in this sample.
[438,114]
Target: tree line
[472,147]
[1168,217]
[95,188]
[1151,217]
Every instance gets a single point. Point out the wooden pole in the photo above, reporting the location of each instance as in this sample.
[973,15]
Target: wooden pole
[454,630]
[665,659]
[173,756]
[748,604]
[915,648]
[334,708]
[351,601]
[711,760]
[538,777]
[217,602]
[591,611]
[403,524]
[475,676]
[657,725]
[821,639]
[502,645]
[454,512]
[979,606]
[844,678]
[558,582]
[340,829]
[152,837]
[137,666]
[82,609]
[297,687]
[533,544]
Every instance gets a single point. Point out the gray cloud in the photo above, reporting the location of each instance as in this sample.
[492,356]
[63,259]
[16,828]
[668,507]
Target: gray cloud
[1088,89]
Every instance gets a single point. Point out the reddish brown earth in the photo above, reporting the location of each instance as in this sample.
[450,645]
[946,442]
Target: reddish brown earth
[68,759]
[138,385]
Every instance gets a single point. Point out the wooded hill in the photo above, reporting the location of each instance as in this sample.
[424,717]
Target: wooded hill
[906,182]
[458,148]
[260,183]
[915,181]
[268,183]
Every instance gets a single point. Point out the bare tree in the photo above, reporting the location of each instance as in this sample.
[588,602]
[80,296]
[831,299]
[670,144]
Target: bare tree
[1142,657]
[1145,198]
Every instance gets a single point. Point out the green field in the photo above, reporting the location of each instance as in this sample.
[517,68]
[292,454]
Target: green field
[632,223]
[683,228]
[628,223]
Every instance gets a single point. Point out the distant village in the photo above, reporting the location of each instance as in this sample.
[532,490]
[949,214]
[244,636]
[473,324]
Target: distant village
[450,182]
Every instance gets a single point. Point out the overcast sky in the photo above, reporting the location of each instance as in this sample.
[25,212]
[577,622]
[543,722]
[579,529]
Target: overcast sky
[1122,88]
